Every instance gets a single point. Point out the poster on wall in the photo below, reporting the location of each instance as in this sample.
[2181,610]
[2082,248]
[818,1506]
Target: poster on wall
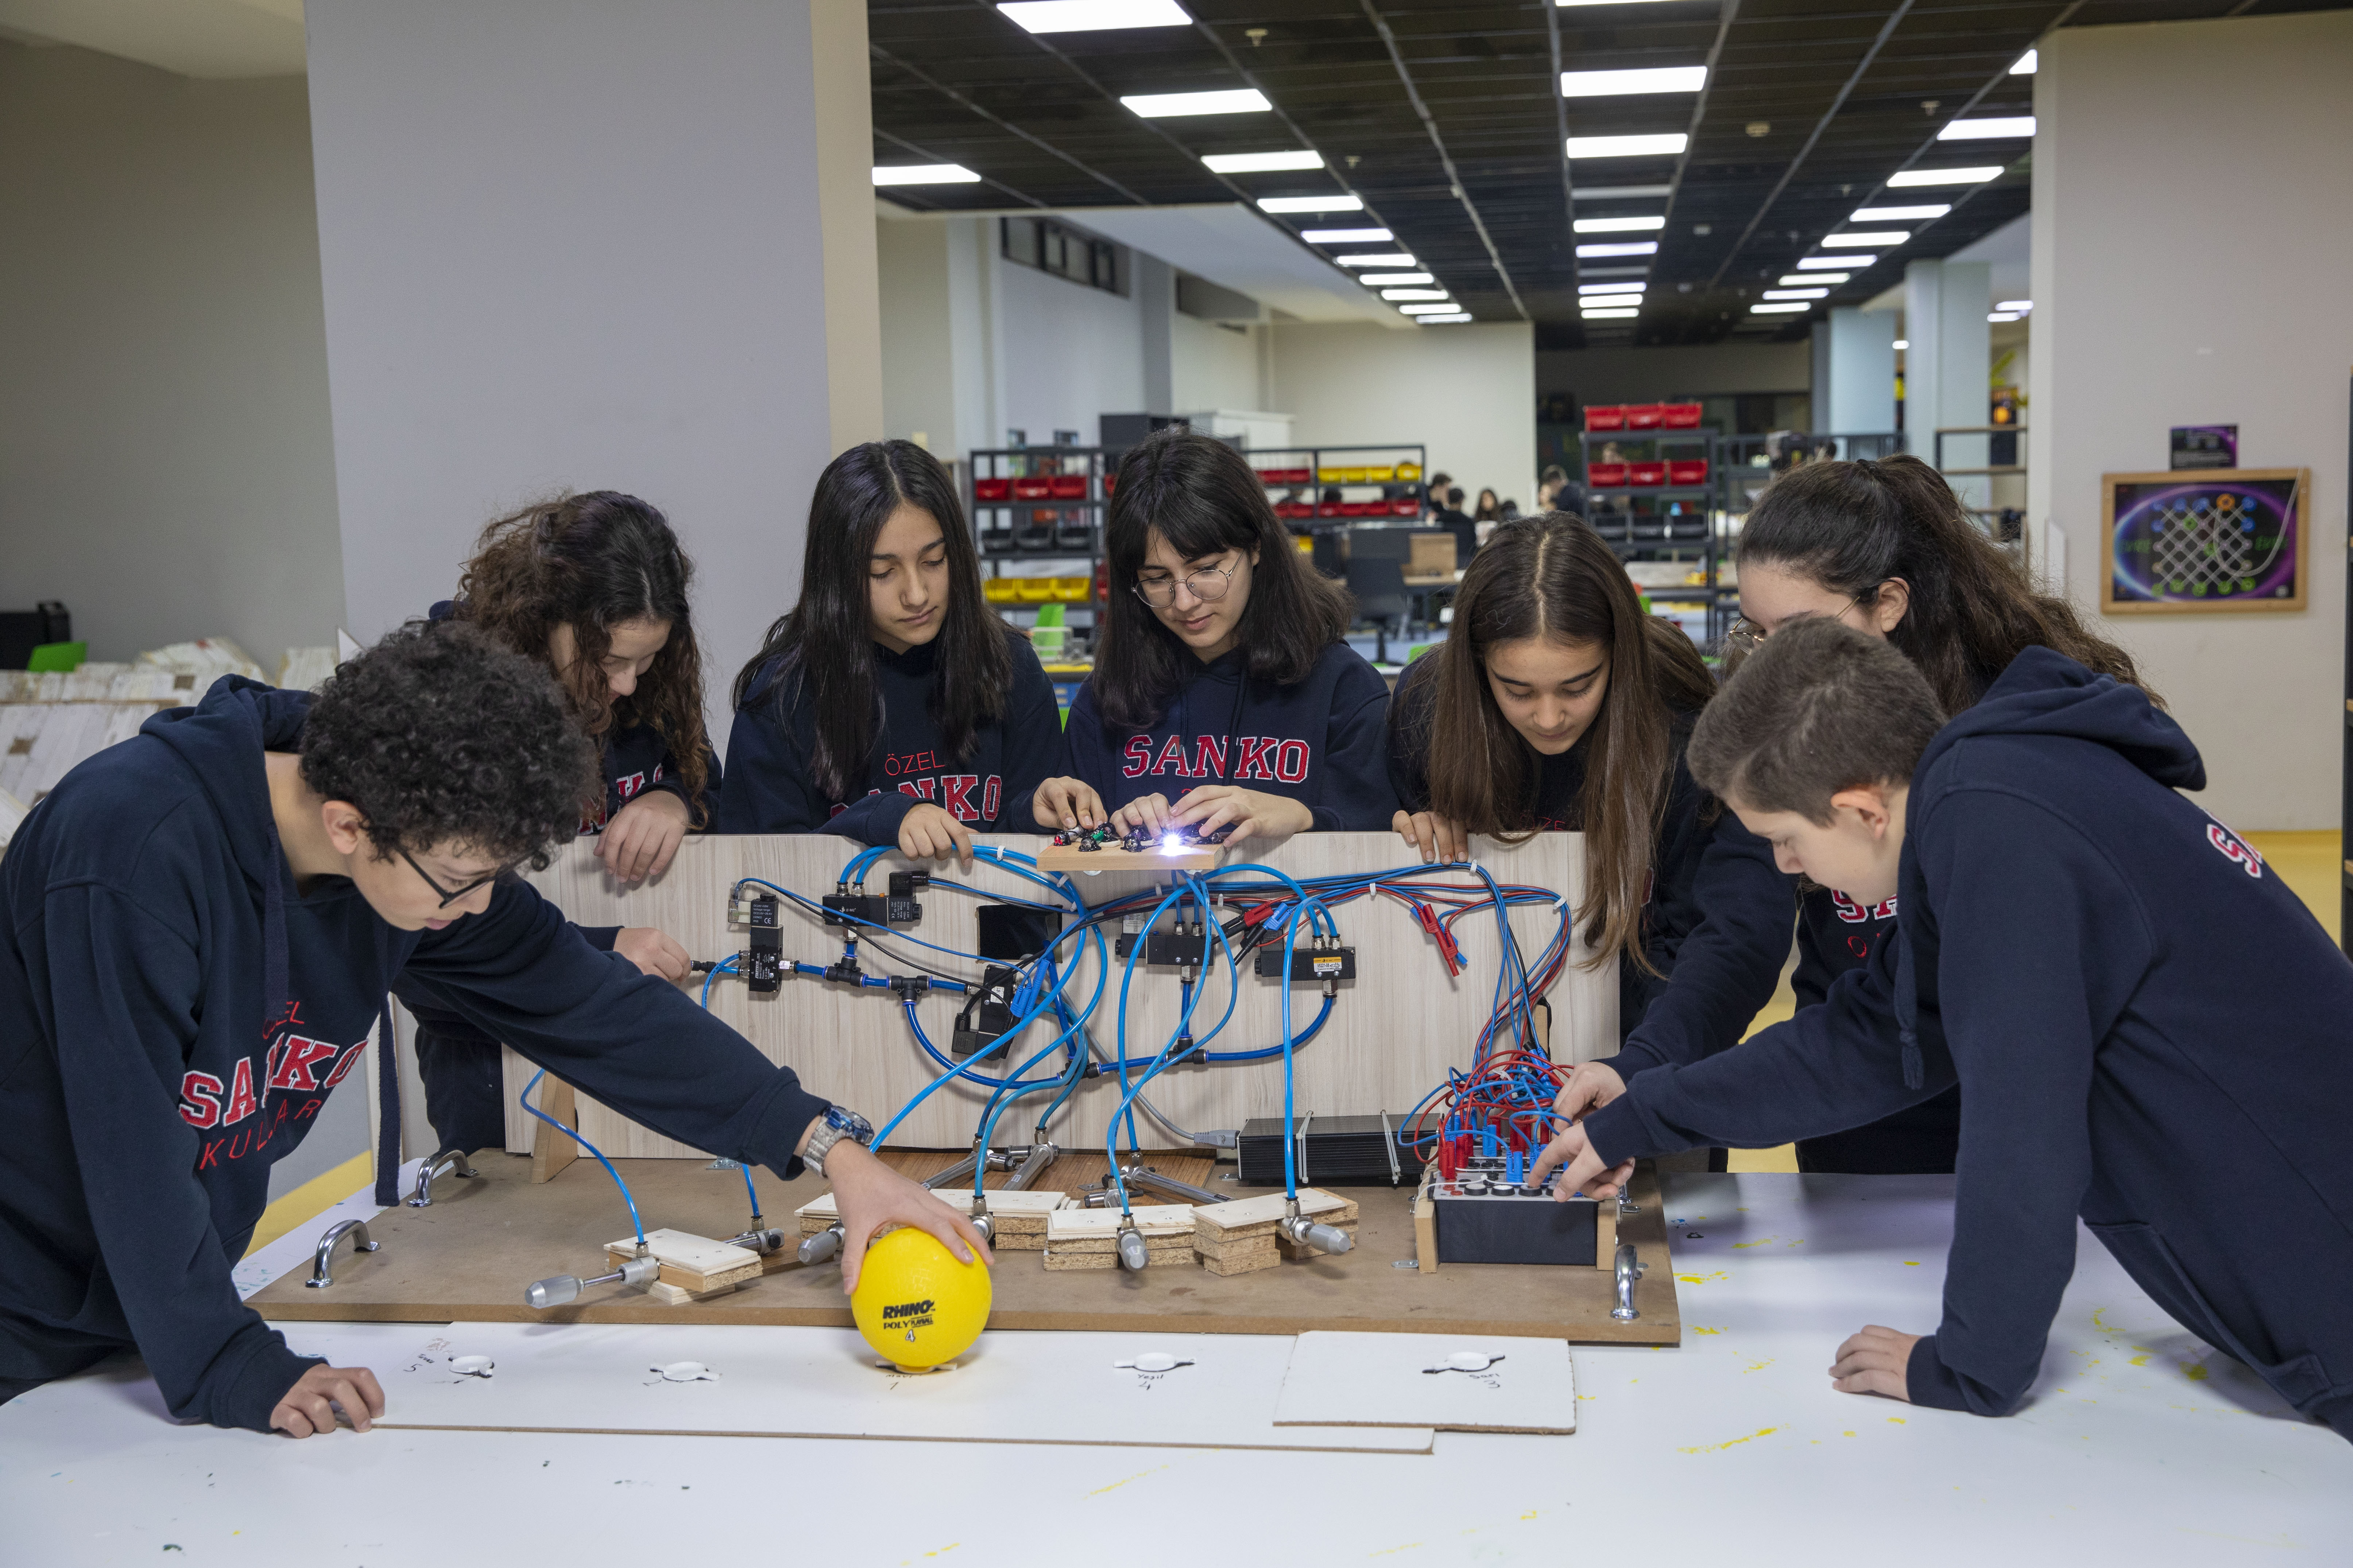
[2217,538]
[2204,446]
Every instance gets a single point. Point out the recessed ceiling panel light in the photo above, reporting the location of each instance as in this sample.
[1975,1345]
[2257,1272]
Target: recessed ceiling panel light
[1440,309]
[1634,287]
[1823,263]
[2026,63]
[1565,2]
[2022,306]
[1450,318]
[1619,193]
[1379,279]
[1332,204]
[1635,248]
[1378,258]
[1094,16]
[1173,105]
[1608,315]
[1778,307]
[1808,280]
[2004,316]
[1896,214]
[1262,163]
[1857,241]
[1665,144]
[1413,293]
[1345,236]
[1903,343]
[1796,293]
[1992,130]
[1618,224]
[924,174]
[1618,83]
[1975,176]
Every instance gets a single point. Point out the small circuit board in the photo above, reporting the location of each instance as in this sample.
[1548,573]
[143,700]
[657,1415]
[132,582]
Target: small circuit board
[1104,848]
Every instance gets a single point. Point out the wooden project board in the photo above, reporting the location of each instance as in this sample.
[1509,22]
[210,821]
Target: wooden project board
[468,1257]
[1394,1030]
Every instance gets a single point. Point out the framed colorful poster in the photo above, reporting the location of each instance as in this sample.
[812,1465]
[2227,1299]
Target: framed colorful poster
[2214,539]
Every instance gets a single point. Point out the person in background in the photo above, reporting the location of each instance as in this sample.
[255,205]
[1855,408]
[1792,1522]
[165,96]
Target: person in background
[1886,548]
[593,588]
[891,705]
[1555,705]
[1224,696]
[1488,510]
[1453,518]
[1554,479]
[1509,511]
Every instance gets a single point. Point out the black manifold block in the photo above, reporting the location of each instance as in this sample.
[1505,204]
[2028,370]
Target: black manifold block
[1341,1151]
[1308,965]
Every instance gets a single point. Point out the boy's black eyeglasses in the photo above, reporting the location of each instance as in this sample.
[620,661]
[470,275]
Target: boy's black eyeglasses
[448,897]
[1209,586]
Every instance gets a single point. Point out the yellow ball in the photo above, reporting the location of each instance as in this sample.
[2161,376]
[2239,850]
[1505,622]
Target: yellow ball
[916,1305]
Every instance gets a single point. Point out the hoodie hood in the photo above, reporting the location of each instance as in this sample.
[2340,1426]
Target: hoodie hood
[2046,693]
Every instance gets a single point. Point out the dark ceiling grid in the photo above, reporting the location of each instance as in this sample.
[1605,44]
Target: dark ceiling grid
[913,195]
[953,96]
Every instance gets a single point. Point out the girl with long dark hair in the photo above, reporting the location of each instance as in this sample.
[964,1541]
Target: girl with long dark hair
[594,587]
[1885,547]
[1223,695]
[891,705]
[1556,704]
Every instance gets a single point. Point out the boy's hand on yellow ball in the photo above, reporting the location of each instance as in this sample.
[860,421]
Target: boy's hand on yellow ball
[872,1196]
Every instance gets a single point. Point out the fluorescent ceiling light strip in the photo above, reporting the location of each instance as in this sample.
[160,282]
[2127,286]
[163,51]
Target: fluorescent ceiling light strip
[1388,258]
[924,174]
[1993,130]
[2027,63]
[1896,214]
[1821,263]
[1972,176]
[1450,318]
[1094,16]
[1413,294]
[1333,203]
[1618,224]
[1857,241]
[1262,163]
[2019,305]
[1903,343]
[1635,288]
[1345,236]
[1639,247]
[1619,83]
[1619,193]
[1608,315]
[1796,293]
[1567,3]
[1379,279]
[1666,144]
[1779,307]
[2004,316]
[1808,280]
[1174,105]
[1436,308]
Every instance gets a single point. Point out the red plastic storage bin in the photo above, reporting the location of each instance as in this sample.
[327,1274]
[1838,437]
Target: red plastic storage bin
[1069,487]
[1645,415]
[1286,475]
[1605,476]
[1040,488]
[1110,479]
[992,489]
[1355,508]
[1328,508]
[1646,473]
[1681,416]
[1687,471]
[1605,416]
[1405,508]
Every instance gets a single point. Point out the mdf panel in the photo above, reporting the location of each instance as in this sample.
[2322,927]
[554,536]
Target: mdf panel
[1393,1034]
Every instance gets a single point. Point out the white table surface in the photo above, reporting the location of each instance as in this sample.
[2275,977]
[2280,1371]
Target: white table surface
[2140,1446]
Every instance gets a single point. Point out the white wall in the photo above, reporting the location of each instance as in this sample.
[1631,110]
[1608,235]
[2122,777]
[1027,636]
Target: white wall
[577,247]
[1650,374]
[1068,354]
[2144,321]
[1468,392]
[166,466]
[1214,366]
[918,334]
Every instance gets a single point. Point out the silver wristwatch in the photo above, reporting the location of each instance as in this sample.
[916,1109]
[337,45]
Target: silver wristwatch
[837,1125]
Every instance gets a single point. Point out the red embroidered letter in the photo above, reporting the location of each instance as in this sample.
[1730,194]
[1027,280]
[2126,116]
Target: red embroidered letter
[955,795]
[1251,756]
[1212,751]
[240,1095]
[1291,761]
[1138,755]
[291,1061]
[200,1100]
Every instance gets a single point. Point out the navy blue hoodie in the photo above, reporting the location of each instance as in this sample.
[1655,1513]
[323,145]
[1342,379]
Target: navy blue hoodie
[1317,741]
[2150,1028]
[989,789]
[1700,867]
[173,1011]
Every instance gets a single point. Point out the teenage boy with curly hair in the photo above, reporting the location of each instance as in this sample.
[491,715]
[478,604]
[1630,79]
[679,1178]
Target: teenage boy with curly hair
[2149,1028]
[197,928]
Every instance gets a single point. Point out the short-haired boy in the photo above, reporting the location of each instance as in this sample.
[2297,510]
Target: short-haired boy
[2151,1031]
[198,928]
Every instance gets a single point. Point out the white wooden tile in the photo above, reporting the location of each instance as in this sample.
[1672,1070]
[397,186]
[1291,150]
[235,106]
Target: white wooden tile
[1451,1383]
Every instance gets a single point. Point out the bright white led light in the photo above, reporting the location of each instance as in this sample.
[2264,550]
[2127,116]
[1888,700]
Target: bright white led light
[1094,16]
[1346,237]
[1640,248]
[1334,204]
[1448,319]
[924,174]
[1821,263]
[1446,308]
[1388,258]
[2020,306]
[1903,343]
[1172,105]
[1857,241]
[1608,315]
[1262,163]
[1975,176]
[1602,2]
[1413,294]
[1633,286]
[1171,840]
[1805,279]
[1778,307]
[1381,280]
[1618,224]
[2004,316]
[2026,63]
[1895,215]
[1667,144]
[1993,130]
[1618,83]
[1796,293]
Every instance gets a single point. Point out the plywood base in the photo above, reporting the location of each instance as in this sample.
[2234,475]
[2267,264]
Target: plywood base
[1069,858]
[468,1258]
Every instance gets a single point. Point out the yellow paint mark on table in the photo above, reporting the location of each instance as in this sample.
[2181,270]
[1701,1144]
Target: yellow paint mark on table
[1730,1442]
[1761,1366]
[1137,1476]
[1911,1263]
[1697,1330]
[1702,1279]
[1898,1421]
[2195,1374]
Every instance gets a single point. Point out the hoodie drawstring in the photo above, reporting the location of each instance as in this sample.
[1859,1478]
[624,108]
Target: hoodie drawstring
[387,1094]
[1907,1013]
